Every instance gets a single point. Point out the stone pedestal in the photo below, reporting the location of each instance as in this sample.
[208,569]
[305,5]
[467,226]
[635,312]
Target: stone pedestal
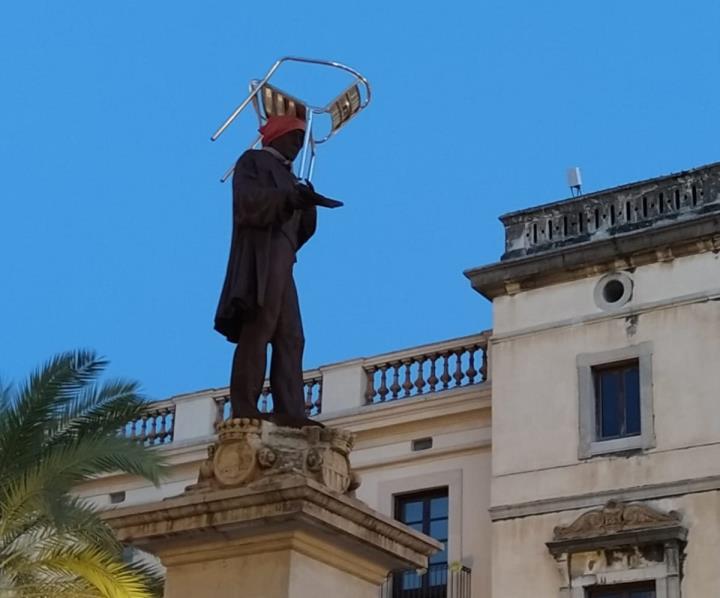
[270,517]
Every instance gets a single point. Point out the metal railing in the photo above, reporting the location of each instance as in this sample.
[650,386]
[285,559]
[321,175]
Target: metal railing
[427,369]
[155,427]
[439,581]
[312,390]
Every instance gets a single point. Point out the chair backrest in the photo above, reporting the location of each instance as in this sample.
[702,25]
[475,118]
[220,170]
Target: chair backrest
[276,102]
[268,100]
[345,106]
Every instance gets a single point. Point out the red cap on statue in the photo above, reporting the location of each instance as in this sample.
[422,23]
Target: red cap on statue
[277,126]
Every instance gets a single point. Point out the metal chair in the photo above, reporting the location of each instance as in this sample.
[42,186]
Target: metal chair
[268,100]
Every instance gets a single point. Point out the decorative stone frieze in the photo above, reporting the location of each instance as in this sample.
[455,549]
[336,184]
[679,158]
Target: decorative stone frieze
[641,223]
[615,517]
[250,451]
[620,543]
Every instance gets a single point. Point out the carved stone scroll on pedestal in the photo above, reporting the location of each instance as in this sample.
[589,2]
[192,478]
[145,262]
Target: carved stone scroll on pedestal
[251,451]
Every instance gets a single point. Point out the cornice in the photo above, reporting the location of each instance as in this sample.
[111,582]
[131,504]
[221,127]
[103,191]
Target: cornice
[646,246]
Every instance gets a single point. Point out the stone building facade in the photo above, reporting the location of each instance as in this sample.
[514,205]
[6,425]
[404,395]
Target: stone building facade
[606,424]
[574,450]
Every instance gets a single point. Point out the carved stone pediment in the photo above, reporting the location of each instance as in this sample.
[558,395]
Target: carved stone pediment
[615,517]
[250,452]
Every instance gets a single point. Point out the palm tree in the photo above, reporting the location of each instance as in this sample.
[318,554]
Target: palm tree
[57,430]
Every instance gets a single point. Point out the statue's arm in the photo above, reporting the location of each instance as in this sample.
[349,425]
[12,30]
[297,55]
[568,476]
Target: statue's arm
[256,204]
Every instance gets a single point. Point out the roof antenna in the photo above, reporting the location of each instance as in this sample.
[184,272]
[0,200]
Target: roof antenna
[574,180]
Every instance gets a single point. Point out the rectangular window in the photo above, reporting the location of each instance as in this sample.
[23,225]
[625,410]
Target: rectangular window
[615,391]
[635,590]
[426,512]
[617,400]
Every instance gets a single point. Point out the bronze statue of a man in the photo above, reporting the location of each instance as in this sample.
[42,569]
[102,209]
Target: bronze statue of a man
[274,214]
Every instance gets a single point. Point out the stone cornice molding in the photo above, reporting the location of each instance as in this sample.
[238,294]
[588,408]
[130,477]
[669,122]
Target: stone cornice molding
[645,246]
[617,524]
[613,518]
[291,496]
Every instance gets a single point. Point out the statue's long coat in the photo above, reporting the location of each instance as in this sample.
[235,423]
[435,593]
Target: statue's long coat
[262,187]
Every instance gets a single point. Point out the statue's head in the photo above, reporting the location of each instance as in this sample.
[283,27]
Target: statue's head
[284,133]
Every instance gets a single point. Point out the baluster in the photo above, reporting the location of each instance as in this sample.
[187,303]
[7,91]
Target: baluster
[318,401]
[458,375]
[395,386]
[471,371]
[170,425]
[308,397]
[152,424]
[484,365]
[383,390]
[162,426]
[264,406]
[433,379]
[370,391]
[420,380]
[143,428]
[133,429]
[445,376]
[162,423]
[407,383]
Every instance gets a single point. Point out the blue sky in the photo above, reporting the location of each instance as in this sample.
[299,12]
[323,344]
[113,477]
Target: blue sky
[114,230]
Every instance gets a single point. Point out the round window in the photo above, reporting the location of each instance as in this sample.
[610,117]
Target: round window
[613,290]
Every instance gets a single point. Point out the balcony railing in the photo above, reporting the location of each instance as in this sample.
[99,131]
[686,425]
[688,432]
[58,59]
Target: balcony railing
[440,581]
[155,427]
[427,369]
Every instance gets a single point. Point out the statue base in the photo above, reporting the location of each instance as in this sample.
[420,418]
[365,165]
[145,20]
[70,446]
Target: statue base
[271,517]
[251,451]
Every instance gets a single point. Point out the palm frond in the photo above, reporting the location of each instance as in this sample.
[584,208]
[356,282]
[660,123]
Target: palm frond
[60,428]
[27,417]
[100,409]
[6,395]
[75,517]
[111,577]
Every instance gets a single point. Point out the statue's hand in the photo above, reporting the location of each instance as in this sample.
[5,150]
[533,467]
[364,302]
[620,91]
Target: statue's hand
[300,200]
[311,196]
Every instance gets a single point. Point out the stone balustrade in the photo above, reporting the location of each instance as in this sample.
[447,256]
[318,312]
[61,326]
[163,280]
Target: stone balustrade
[427,369]
[611,212]
[155,427]
[331,390]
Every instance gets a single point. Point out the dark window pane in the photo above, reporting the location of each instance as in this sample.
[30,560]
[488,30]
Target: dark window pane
[410,581]
[439,529]
[609,404]
[632,402]
[437,576]
[635,590]
[617,396]
[426,512]
[439,507]
[412,512]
